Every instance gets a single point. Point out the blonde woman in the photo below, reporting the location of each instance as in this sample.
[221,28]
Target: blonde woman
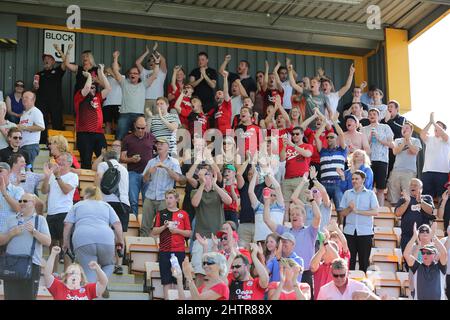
[93,238]
[358,160]
[73,284]
[58,145]
[230,154]
[216,271]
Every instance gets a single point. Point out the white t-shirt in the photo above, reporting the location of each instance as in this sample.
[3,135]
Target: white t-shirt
[287,103]
[156,90]
[236,105]
[114,97]
[123,183]
[58,202]
[437,153]
[334,100]
[31,117]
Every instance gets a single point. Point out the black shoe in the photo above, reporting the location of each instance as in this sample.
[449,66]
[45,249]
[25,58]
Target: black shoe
[118,270]
[61,257]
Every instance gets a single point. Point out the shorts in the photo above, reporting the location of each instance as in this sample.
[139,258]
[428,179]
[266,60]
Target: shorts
[380,172]
[165,266]
[288,187]
[56,225]
[124,216]
[110,113]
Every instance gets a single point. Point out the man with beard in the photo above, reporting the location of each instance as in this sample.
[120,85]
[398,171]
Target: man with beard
[242,73]
[242,285]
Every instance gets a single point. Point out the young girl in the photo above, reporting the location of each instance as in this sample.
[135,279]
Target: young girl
[73,285]
[272,241]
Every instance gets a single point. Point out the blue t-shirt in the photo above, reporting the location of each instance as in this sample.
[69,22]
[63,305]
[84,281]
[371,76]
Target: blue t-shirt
[274,267]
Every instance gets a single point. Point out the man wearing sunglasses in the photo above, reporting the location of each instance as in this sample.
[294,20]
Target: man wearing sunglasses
[14,138]
[242,285]
[429,275]
[342,287]
[413,208]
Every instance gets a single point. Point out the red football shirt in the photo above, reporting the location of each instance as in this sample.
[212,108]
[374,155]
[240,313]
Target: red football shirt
[60,291]
[296,164]
[176,93]
[250,135]
[89,115]
[223,116]
[321,277]
[246,290]
[309,134]
[233,206]
[291,294]
[169,242]
[186,109]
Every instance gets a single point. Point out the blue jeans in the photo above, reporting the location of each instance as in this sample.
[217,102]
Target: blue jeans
[136,185]
[32,150]
[335,193]
[125,123]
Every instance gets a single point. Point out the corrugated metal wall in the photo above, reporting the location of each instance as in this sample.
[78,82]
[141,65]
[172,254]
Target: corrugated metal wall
[23,61]
[377,70]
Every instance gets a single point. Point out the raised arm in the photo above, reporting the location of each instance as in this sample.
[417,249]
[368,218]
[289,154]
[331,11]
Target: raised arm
[266,76]
[442,251]
[407,254]
[296,194]
[349,82]
[424,132]
[141,58]
[317,258]
[62,55]
[226,93]
[259,267]
[340,133]
[87,86]
[266,216]
[276,186]
[251,188]
[70,66]
[48,268]
[277,77]
[224,64]
[155,73]
[292,81]
[115,67]
[101,75]
[224,196]
[308,121]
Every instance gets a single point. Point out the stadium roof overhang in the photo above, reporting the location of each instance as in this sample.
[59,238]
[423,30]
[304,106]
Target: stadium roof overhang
[337,26]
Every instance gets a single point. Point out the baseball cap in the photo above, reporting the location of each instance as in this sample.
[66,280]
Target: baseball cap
[430,247]
[374,109]
[46,54]
[4,165]
[230,167]
[220,233]
[288,236]
[162,140]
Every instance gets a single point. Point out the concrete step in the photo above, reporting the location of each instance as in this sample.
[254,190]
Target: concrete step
[126,296]
[125,278]
[125,287]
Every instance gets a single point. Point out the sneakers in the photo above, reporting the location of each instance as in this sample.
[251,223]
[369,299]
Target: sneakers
[61,257]
[118,270]
[105,294]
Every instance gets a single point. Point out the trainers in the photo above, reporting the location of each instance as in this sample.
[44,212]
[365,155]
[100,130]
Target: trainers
[118,270]
[61,257]
[105,294]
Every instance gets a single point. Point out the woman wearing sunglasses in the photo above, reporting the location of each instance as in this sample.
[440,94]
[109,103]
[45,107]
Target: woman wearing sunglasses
[14,102]
[5,125]
[215,286]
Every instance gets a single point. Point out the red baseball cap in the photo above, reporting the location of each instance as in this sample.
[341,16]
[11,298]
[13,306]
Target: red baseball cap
[220,233]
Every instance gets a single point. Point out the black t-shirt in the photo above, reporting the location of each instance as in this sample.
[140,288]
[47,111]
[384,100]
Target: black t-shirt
[414,214]
[396,125]
[50,85]
[187,205]
[203,90]
[247,214]
[364,122]
[5,155]
[429,280]
[248,83]
[81,80]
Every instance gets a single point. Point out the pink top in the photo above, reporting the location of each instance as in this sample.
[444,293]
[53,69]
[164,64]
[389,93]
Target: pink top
[331,292]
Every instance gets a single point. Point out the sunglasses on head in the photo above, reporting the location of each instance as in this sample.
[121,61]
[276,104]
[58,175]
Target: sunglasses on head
[237,266]
[335,275]
[23,200]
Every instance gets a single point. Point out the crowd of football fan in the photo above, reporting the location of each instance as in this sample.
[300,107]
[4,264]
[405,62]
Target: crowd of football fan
[263,163]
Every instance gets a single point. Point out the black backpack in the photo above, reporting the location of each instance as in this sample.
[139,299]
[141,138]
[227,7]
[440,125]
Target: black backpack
[110,180]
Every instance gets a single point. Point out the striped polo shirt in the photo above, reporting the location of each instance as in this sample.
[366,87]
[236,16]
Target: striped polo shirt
[330,160]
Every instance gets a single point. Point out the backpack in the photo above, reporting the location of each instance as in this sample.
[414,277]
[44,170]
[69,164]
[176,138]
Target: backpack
[110,180]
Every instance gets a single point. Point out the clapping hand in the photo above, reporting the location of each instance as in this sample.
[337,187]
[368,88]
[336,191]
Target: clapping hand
[351,206]
[86,74]
[93,265]
[405,194]
[29,226]
[228,58]
[56,250]
[312,172]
